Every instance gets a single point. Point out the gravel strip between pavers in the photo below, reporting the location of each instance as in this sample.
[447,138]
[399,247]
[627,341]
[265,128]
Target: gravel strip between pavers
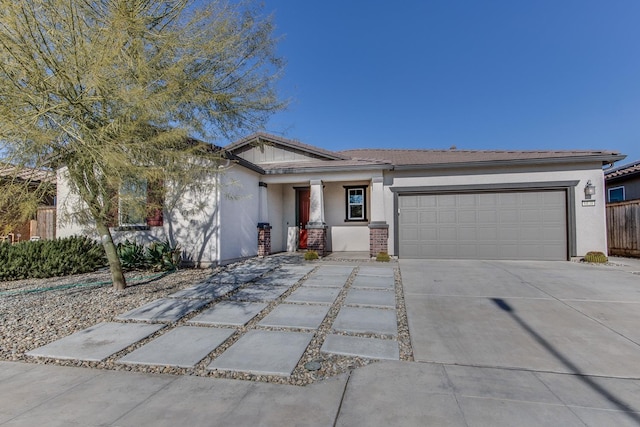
[31,320]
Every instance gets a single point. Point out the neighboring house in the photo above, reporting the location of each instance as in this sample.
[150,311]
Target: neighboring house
[42,225]
[280,195]
[623,209]
[623,183]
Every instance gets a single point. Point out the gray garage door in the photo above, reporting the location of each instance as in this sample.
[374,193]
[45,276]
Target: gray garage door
[530,225]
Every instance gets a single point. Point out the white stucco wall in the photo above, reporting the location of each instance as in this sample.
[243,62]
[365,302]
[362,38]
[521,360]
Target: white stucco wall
[239,208]
[590,223]
[194,223]
[276,216]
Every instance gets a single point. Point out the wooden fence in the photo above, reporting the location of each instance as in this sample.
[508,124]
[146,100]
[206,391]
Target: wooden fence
[623,227]
[46,227]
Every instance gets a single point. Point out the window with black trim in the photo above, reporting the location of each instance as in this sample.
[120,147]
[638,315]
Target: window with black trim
[356,203]
[616,194]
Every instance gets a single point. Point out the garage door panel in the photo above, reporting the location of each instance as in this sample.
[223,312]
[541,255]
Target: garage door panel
[447,216]
[428,217]
[499,225]
[488,217]
[467,217]
[508,216]
[487,234]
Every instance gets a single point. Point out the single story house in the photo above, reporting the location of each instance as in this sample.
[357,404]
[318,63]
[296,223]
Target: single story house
[277,194]
[623,183]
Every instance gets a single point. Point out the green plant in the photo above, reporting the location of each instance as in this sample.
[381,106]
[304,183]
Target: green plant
[50,258]
[131,255]
[311,255]
[594,256]
[162,256]
[383,257]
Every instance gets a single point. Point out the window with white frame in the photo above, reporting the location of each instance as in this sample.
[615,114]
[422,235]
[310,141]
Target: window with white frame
[356,203]
[615,194]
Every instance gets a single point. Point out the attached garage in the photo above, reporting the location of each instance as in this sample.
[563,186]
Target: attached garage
[512,224]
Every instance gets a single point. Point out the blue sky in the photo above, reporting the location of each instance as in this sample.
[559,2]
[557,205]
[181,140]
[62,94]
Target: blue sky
[491,74]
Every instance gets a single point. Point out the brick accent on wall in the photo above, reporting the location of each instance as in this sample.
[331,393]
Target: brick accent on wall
[264,240]
[378,240]
[317,240]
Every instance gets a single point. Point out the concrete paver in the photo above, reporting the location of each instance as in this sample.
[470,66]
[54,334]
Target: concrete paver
[97,342]
[373,348]
[314,295]
[371,298]
[259,293]
[164,310]
[233,278]
[208,291]
[183,347]
[321,281]
[335,270]
[296,316]
[367,270]
[373,282]
[366,320]
[233,313]
[264,353]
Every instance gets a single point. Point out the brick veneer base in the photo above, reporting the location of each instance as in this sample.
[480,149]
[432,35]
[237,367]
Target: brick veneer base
[317,240]
[378,240]
[264,240]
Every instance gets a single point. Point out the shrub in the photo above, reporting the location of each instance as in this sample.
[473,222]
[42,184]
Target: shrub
[131,255]
[383,257]
[160,256]
[50,258]
[594,256]
[311,255]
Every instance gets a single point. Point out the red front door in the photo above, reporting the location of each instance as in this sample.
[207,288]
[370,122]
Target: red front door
[304,204]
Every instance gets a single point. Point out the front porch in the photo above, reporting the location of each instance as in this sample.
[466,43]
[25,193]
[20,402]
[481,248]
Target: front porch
[334,216]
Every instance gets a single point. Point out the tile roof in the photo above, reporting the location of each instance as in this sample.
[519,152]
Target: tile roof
[624,170]
[434,157]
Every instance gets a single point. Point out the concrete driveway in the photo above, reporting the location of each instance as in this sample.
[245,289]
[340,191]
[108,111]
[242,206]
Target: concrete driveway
[543,316]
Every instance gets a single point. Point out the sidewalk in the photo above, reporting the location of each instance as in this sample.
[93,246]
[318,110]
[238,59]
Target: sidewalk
[382,394]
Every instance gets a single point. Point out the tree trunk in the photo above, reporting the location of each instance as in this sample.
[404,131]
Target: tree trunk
[115,267]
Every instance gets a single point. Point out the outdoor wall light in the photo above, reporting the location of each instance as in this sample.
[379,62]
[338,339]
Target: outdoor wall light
[589,190]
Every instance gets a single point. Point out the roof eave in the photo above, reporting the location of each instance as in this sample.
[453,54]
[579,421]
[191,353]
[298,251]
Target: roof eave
[604,159]
[299,170]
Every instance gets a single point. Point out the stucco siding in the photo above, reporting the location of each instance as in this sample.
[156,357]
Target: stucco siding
[239,209]
[276,216]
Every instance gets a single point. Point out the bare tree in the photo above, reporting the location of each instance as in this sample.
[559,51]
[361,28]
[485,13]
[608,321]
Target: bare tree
[113,91]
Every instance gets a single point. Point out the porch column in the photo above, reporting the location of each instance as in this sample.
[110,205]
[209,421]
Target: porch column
[264,229]
[378,227]
[263,213]
[316,228]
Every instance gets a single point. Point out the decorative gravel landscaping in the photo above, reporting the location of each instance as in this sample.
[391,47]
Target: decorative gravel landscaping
[38,312]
